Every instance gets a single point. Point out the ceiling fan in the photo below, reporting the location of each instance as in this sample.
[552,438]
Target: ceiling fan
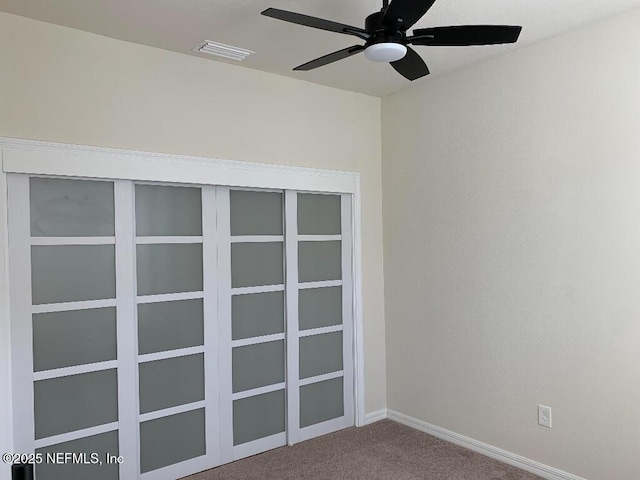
[386,40]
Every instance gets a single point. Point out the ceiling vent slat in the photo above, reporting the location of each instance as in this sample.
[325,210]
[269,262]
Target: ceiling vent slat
[222,50]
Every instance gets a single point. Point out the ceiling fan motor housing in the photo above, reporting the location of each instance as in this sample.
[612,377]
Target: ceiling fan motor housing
[374,27]
[386,44]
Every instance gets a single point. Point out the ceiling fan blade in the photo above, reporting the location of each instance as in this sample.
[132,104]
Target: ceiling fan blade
[411,66]
[465,35]
[330,58]
[409,11]
[315,22]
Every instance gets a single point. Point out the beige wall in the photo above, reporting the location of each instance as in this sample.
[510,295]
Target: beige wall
[512,214]
[511,195]
[63,85]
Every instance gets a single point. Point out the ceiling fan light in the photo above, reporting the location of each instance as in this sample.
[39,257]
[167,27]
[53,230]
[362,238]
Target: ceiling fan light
[385,52]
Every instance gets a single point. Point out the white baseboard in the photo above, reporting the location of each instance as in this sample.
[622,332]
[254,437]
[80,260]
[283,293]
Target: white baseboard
[517,461]
[376,416]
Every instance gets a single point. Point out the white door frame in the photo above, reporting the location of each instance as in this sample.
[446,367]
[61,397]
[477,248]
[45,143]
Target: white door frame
[45,158]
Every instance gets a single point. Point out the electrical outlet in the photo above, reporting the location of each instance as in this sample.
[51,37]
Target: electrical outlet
[544,416]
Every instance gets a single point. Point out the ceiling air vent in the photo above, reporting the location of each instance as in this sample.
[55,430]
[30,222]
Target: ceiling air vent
[222,50]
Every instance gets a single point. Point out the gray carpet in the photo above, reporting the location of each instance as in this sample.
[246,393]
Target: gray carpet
[384,450]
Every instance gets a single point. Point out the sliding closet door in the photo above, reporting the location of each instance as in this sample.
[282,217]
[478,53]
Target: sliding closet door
[179,327]
[251,322]
[319,327]
[64,322]
[175,344]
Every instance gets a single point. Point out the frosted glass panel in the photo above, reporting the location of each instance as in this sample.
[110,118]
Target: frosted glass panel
[71,403]
[171,382]
[321,401]
[172,439]
[169,268]
[77,337]
[69,273]
[319,307]
[318,214]
[256,213]
[255,264]
[71,208]
[257,314]
[258,365]
[100,445]
[170,325]
[318,261]
[258,417]
[320,354]
[163,210]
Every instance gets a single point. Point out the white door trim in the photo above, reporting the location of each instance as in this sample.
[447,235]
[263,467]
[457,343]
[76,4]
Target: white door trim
[45,158]
[358,325]
[6,402]
[20,311]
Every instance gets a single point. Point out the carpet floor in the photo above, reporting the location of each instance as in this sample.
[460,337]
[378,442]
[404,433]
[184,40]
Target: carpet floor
[385,450]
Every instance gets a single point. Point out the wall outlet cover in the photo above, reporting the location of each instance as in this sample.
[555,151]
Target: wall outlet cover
[544,416]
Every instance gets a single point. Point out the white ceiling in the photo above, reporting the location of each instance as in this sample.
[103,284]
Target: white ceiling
[179,25]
